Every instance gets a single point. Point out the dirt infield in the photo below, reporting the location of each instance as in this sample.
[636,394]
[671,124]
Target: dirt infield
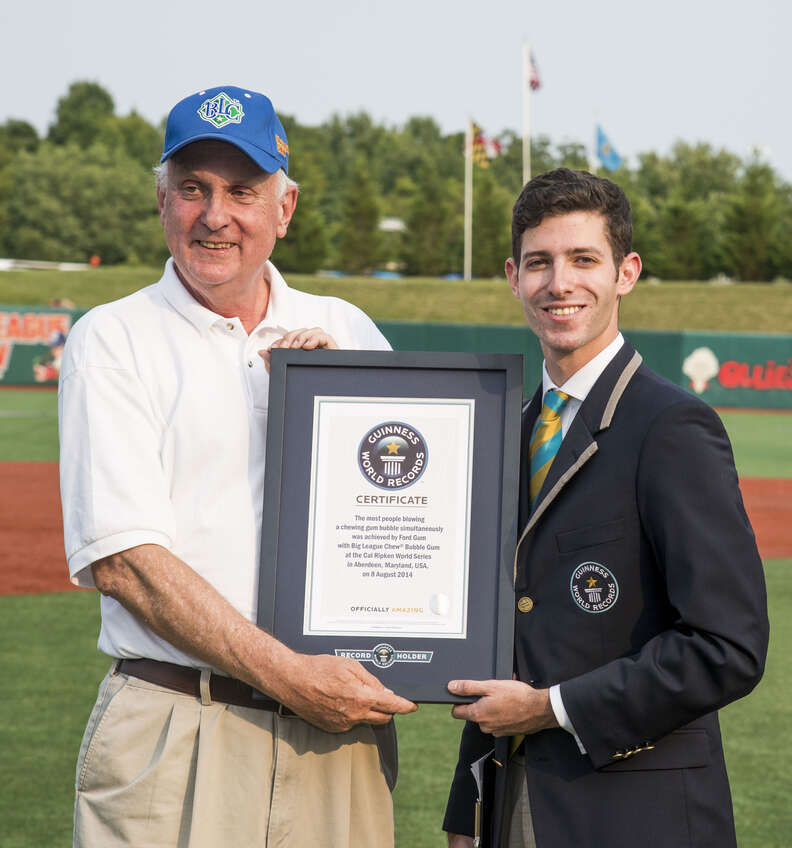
[31,532]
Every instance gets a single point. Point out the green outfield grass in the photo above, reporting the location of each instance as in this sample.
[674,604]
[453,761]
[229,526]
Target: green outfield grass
[747,307]
[51,670]
[29,431]
[28,425]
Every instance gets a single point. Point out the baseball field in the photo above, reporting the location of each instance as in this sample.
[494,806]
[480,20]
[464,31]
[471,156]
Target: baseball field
[50,666]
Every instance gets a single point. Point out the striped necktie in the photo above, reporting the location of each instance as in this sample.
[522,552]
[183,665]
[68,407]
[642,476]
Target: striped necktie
[546,439]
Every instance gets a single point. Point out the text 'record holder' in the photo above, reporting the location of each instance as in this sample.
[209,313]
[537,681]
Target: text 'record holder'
[390,512]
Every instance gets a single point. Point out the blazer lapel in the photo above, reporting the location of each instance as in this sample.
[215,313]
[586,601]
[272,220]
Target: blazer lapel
[579,444]
[530,412]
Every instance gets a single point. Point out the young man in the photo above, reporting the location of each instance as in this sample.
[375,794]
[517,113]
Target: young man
[163,417]
[640,600]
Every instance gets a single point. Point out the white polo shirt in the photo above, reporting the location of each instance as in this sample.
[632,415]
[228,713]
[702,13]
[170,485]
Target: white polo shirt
[163,419]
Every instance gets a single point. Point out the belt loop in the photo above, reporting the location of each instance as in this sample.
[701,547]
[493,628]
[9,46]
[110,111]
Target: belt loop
[206,695]
[114,667]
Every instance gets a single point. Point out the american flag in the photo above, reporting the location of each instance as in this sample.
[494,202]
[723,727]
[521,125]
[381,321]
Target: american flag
[533,75]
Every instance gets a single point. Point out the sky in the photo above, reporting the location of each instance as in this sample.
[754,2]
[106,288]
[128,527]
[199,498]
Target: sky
[650,74]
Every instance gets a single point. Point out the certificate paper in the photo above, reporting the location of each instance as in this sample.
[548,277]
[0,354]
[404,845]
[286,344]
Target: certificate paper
[389,517]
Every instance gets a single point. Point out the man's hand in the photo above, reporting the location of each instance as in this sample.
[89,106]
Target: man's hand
[307,339]
[336,693]
[505,707]
[458,840]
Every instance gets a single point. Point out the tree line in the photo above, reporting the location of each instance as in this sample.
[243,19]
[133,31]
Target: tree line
[377,197]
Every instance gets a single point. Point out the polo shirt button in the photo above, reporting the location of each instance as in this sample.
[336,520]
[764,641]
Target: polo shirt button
[250,363]
[525,604]
[230,325]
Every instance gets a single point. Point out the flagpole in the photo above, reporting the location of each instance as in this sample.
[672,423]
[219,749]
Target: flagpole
[526,69]
[468,269]
[592,156]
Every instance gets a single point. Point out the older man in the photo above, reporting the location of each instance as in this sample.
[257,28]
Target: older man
[163,414]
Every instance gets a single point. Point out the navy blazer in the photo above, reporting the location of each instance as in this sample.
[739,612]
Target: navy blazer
[648,607]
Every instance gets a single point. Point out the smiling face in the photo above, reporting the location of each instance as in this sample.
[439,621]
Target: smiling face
[570,287]
[221,216]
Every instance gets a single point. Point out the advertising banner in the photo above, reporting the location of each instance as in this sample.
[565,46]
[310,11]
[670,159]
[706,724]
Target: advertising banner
[31,343]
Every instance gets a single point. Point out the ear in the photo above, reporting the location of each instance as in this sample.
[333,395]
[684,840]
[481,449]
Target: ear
[629,271]
[513,276]
[287,205]
[161,204]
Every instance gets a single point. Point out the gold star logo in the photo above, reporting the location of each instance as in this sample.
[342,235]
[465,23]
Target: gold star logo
[392,448]
[592,582]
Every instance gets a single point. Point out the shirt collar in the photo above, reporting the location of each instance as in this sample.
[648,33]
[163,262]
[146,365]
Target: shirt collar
[582,381]
[280,309]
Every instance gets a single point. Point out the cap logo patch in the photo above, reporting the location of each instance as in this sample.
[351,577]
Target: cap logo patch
[283,148]
[221,110]
[594,588]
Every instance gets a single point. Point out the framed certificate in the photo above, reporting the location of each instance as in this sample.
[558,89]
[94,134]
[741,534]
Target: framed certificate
[390,512]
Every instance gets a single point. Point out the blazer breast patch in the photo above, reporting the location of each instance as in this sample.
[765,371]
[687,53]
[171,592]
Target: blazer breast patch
[593,587]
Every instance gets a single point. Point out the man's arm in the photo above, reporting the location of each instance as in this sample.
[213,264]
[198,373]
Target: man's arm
[713,654]
[165,594]
[714,651]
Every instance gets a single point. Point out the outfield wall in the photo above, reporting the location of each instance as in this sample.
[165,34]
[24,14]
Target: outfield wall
[725,369]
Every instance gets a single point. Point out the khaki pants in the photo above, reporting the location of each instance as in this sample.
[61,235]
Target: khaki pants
[517,830]
[157,768]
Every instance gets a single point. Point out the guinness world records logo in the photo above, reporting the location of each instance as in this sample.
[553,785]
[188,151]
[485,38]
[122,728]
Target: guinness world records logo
[392,455]
[594,587]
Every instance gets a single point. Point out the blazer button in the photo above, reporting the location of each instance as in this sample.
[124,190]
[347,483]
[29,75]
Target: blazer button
[525,604]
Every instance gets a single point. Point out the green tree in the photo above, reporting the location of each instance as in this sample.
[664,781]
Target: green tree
[687,249]
[491,225]
[752,224]
[360,241]
[572,154]
[701,171]
[305,245]
[16,135]
[433,243]
[82,114]
[142,142]
[67,203]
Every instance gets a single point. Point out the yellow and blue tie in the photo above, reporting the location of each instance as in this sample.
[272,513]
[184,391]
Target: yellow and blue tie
[545,439]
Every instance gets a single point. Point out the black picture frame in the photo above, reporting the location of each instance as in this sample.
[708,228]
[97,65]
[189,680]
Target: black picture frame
[495,382]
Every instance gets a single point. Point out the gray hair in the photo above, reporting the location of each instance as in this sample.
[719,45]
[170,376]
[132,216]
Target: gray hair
[285,182]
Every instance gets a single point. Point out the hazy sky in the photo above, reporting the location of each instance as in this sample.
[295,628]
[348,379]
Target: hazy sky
[650,73]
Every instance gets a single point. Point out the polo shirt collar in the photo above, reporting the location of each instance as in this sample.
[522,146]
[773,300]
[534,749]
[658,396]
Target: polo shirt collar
[280,309]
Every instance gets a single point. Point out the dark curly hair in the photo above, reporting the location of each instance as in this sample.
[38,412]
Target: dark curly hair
[563,190]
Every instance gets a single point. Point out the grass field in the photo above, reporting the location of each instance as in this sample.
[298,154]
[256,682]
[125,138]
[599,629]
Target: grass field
[747,307]
[51,670]
[29,431]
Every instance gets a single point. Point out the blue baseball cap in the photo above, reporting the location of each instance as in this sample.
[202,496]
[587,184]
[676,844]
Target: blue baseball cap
[240,117]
